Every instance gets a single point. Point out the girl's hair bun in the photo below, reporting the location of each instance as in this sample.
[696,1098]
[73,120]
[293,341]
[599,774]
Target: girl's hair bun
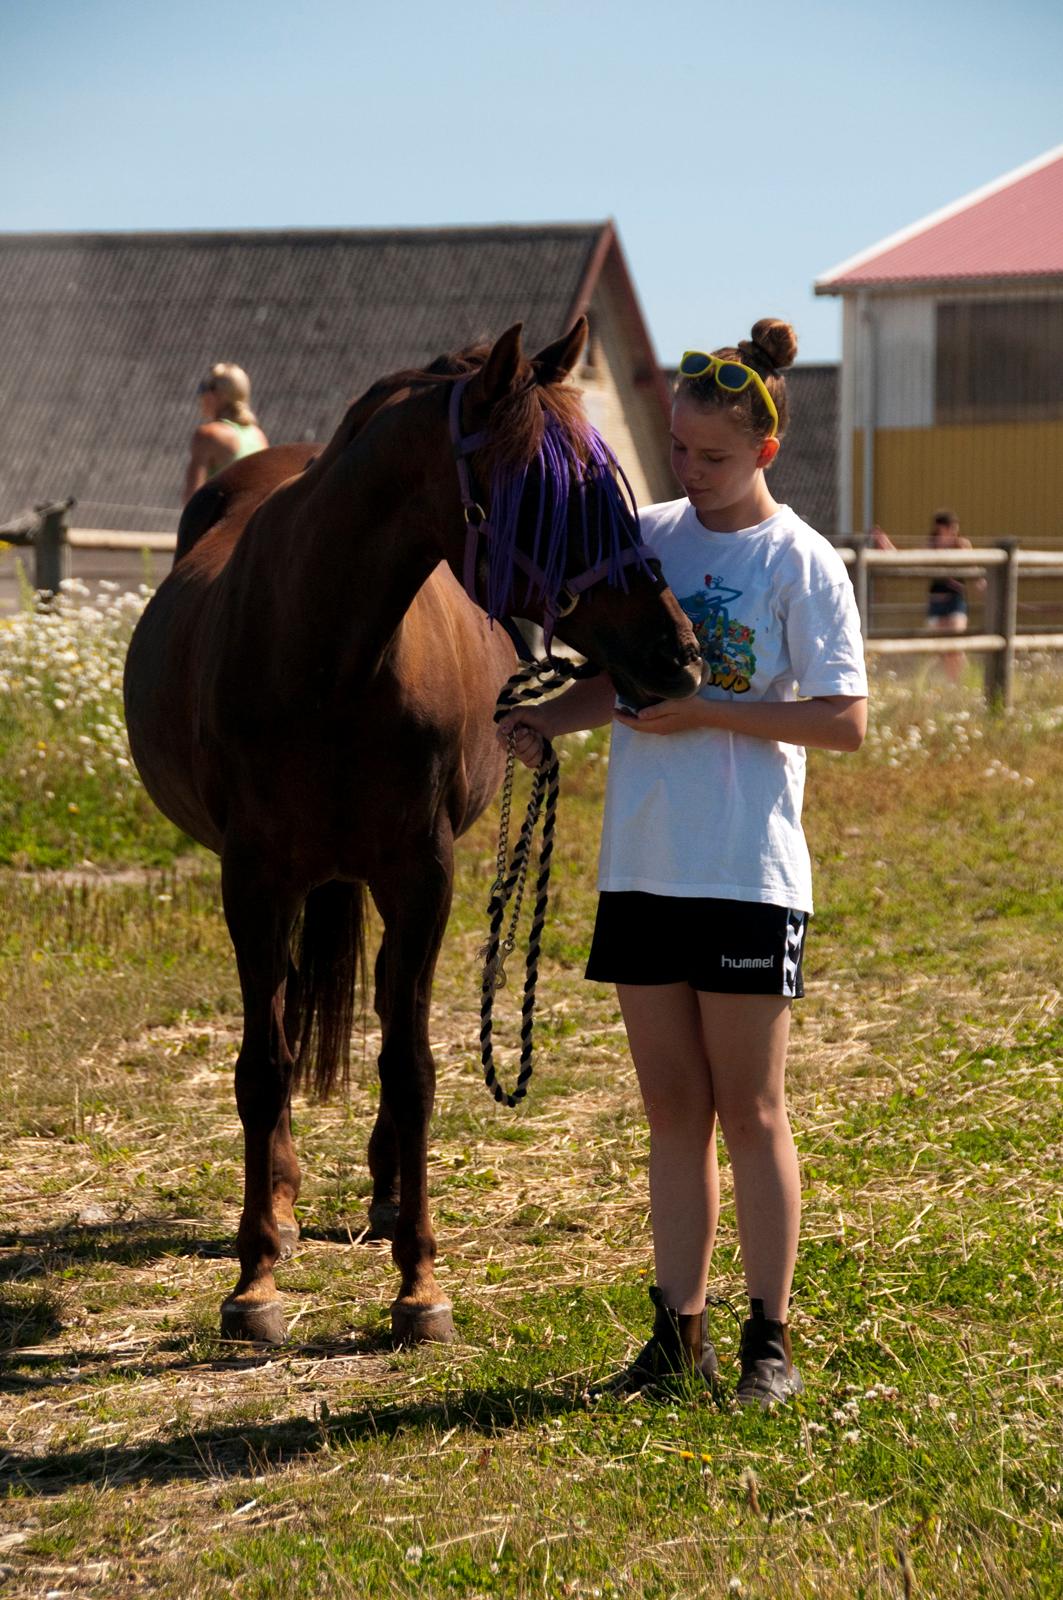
[775,342]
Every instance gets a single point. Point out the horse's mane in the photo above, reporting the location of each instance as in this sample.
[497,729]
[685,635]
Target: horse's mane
[536,424]
[542,425]
[518,420]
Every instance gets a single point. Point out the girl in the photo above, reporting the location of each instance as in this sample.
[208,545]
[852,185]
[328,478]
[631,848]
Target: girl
[704,872]
[947,599]
[229,428]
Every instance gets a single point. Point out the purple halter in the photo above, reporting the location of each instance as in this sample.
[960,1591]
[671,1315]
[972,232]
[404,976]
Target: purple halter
[614,527]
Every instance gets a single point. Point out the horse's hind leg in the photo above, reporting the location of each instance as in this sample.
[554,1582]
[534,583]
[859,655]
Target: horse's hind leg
[260,914]
[383,1141]
[286,1180]
[286,1174]
[414,901]
[384,1171]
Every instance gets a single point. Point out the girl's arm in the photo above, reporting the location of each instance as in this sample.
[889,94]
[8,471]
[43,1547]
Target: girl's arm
[826,722]
[979,583]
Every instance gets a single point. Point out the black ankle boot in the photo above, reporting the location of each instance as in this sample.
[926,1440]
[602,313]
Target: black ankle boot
[768,1373]
[679,1346]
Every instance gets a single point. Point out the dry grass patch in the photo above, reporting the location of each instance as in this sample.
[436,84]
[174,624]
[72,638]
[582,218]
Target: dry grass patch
[140,1454]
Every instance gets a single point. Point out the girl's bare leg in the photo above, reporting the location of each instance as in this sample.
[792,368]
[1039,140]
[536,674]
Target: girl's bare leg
[665,1035]
[745,1039]
[954,663]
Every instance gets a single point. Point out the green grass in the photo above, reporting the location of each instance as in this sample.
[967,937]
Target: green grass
[68,791]
[139,1453]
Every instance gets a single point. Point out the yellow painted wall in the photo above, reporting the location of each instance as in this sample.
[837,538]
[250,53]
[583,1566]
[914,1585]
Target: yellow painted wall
[1002,479]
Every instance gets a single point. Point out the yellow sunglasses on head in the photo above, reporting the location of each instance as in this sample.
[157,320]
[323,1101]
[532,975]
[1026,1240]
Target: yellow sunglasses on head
[733,377]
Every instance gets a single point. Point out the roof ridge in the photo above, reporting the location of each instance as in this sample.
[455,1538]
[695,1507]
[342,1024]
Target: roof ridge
[408,234]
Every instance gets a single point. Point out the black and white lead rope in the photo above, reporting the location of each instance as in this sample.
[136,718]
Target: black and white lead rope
[534,681]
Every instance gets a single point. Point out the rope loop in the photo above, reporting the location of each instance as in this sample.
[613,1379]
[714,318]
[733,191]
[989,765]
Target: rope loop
[532,682]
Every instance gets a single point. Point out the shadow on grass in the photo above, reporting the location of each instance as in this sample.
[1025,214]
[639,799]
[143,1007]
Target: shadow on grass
[28,1315]
[37,1367]
[232,1452]
[356,1232]
[131,1243]
[126,1244]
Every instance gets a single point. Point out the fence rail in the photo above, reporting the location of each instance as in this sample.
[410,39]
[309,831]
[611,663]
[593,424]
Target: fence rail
[106,539]
[1001,565]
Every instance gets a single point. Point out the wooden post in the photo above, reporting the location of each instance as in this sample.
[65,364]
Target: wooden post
[1002,609]
[861,584]
[50,551]
[1009,621]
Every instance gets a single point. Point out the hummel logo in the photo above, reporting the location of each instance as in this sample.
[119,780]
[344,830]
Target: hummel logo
[746,961]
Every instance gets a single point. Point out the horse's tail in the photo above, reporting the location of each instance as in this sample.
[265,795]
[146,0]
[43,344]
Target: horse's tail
[329,982]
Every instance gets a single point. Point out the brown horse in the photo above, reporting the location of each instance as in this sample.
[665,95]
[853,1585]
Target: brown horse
[309,693]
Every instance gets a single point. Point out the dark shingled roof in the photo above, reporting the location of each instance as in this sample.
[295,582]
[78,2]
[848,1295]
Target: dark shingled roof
[104,337]
[805,475]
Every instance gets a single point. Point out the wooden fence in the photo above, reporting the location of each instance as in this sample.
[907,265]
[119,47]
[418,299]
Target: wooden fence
[46,530]
[1002,565]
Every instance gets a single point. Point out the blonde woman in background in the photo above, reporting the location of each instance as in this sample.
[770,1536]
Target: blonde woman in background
[229,428]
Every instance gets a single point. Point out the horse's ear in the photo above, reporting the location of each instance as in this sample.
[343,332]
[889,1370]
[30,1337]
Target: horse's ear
[559,358]
[499,372]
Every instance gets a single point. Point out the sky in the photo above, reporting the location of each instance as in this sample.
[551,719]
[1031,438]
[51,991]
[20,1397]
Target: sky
[741,149]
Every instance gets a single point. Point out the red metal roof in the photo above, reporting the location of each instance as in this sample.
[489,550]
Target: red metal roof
[1012,228]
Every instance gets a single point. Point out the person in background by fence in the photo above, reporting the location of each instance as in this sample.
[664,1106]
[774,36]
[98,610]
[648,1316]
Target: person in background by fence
[229,428]
[704,870]
[947,599]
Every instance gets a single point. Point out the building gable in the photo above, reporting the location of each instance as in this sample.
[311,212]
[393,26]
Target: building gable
[1011,228]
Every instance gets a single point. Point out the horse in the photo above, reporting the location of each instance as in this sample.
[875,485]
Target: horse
[309,693]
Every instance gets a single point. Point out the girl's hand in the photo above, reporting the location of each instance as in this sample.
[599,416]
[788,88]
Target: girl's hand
[528,730]
[671,716]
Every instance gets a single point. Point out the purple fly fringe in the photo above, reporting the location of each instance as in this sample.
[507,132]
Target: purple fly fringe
[608,517]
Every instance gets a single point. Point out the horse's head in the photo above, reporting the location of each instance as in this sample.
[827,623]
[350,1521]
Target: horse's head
[552,531]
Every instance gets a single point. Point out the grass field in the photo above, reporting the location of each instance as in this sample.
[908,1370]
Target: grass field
[138,1454]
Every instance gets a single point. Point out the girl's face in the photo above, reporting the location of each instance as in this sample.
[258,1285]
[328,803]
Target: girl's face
[715,460]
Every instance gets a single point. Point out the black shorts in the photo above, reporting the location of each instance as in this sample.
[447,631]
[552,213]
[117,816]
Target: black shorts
[718,946]
[946,605]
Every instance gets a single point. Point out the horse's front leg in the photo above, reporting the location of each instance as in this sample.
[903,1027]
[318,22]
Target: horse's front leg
[414,902]
[260,914]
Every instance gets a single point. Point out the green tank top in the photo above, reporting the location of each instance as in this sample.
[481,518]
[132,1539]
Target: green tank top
[247,441]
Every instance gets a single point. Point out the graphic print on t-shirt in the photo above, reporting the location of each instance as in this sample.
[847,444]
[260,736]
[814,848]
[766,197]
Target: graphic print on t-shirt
[726,645]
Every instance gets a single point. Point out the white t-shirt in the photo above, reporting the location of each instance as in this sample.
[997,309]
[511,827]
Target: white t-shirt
[711,813]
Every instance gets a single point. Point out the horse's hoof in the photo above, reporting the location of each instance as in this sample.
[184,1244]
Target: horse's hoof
[421,1324]
[383,1215]
[261,1321]
[289,1232]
